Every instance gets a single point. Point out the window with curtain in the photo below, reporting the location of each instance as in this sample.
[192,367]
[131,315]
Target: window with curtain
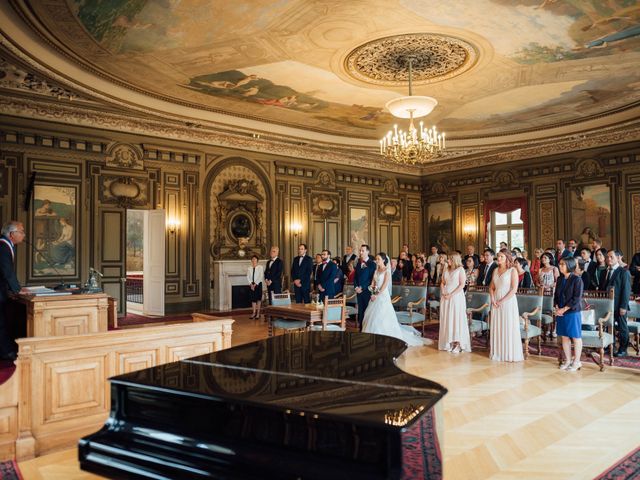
[509,228]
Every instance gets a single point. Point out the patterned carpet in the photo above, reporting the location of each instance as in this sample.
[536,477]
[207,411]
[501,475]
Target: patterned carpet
[626,469]
[421,455]
[548,349]
[9,471]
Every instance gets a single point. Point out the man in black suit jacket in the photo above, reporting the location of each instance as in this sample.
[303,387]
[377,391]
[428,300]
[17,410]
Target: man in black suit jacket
[327,276]
[634,270]
[346,258]
[485,273]
[590,266]
[301,275]
[396,273]
[365,269]
[561,251]
[273,273]
[12,235]
[619,279]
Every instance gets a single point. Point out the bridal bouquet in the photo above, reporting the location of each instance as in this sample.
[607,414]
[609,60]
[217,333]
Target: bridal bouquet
[373,290]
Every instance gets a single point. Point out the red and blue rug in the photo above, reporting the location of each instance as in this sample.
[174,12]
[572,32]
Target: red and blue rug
[626,469]
[9,470]
[421,454]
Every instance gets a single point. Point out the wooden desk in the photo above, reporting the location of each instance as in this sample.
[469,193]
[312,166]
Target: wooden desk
[296,311]
[66,314]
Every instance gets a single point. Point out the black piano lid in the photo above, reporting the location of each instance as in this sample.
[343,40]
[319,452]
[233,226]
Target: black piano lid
[322,375]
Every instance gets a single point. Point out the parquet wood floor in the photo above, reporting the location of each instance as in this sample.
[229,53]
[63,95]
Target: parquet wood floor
[501,421]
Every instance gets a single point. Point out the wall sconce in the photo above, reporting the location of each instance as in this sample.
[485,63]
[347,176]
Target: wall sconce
[469,231]
[172,225]
[296,228]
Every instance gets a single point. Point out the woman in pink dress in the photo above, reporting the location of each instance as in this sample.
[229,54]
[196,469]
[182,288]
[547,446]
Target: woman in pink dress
[505,317]
[454,329]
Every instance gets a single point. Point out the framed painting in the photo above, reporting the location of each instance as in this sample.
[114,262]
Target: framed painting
[590,214]
[53,229]
[440,225]
[359,227]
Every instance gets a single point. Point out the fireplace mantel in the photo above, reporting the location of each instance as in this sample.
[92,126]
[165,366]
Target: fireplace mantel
[227,273]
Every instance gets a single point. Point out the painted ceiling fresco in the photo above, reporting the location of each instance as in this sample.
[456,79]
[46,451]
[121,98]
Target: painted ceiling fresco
[540,62]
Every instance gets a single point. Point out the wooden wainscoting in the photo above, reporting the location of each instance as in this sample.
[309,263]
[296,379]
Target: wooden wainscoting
[61,382]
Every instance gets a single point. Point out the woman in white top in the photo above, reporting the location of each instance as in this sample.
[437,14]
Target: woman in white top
[505,317]
[454,329]
[548,274]
[255,277]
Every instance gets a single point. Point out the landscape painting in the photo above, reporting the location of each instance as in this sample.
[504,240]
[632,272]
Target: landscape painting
[591,215]
[53,227]
[440,226]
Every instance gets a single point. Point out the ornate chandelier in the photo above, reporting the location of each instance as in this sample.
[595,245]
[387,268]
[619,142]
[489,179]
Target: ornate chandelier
[416,145]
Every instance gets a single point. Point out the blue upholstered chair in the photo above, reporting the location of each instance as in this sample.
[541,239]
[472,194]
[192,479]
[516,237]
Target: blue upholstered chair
[411,301]
[280,299]
[433,302]
[604,336]
[349,293]
[633,322]
[546,317]
[333,315]
[530,302]
[478,308]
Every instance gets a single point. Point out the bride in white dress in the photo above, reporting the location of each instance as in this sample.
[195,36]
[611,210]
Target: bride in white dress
[380,317]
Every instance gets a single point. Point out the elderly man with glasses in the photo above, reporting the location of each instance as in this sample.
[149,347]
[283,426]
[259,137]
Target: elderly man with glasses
[12,235]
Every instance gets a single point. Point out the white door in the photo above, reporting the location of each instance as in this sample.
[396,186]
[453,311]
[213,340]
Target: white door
[154,258]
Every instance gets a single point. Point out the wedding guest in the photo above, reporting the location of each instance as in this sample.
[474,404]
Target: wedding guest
[419,275]
[317,264]
[471,252]
[535,265]
[567,300]
[596,244]
[407,266]
[351,271]
[327,285]
[634,270]
[582,273]
[273,272]
[548,273]
[572,246]
[620,280]
[365,268]
[470,271]
[301,268]
[561,251]
[398,275]
[524,277]
[396,271]
[599,280]
[347,257]
[590,264]
[505,317]
[516,252]
[485,273]
[503,245]
[454,328]
[432,260]
[339,279]
[435,277]
[255,277]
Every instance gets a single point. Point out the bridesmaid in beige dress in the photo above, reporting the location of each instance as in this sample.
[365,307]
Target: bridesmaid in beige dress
[454,328]
[505,318]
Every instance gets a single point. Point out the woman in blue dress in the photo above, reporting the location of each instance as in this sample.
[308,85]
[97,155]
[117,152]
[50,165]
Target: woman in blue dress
[568,301]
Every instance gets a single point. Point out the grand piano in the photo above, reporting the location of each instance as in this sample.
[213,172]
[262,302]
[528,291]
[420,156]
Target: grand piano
[313,405]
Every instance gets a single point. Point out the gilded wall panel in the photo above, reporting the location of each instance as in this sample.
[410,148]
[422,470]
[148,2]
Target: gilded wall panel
[547,215]
[635,221]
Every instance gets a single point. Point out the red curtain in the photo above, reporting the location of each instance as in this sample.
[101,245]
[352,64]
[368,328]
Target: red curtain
[506,205]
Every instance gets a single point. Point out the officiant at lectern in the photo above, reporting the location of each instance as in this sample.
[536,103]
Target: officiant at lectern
[12,235]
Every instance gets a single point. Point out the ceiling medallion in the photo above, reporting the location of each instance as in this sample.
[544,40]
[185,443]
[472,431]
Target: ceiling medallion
[436,57]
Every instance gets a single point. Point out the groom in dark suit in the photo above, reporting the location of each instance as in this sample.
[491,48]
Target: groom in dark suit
[301,274]
[328,270]
[619,279]
[273,273]
[365,268]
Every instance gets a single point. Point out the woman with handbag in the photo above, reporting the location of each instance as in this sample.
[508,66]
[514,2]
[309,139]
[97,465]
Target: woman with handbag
[567,300]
